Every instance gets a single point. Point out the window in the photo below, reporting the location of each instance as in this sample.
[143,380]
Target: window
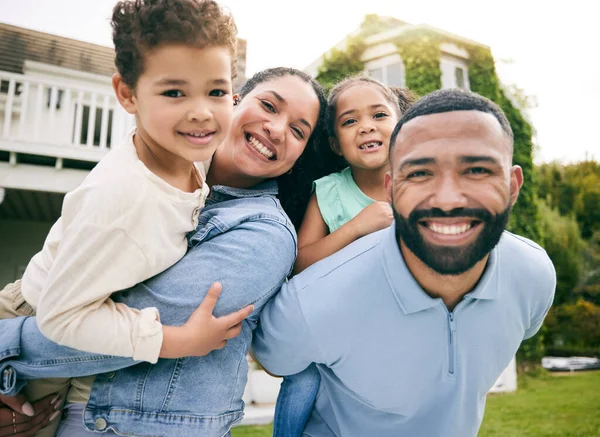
[85,119]
[4,85]
[58,98]
[459,74]
[376,73]
[455,72]
[389,70]
[395,75]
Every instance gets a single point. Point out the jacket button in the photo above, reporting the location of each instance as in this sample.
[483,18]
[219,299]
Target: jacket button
[100,424]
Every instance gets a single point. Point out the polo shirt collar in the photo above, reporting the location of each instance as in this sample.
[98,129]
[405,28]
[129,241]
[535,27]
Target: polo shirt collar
[409,294]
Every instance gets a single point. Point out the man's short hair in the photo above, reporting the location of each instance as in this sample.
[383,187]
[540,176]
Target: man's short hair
[451,100]
[140,26]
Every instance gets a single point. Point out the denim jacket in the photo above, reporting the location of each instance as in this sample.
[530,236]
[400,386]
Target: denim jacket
[245,241]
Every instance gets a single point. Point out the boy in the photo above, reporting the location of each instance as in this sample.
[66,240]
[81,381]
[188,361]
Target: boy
[128,220]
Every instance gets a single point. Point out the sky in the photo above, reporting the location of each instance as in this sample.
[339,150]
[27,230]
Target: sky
[547,48]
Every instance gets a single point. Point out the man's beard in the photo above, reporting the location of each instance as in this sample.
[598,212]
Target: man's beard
[451,260]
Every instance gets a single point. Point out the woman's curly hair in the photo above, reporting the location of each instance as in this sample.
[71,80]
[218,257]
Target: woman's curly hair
[295,186]
[142,25]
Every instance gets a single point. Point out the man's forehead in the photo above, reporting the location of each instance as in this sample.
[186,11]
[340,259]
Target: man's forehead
[451,126]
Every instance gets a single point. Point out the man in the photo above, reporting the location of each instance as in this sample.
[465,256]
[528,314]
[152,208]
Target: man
[409,327]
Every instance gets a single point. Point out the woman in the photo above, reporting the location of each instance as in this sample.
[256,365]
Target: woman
[244,240]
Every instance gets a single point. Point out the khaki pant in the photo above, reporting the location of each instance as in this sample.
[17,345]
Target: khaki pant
[12,304]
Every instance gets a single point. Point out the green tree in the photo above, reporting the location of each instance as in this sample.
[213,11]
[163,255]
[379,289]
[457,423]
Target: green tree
[564,245]
[339,64]
[575,325]
[573,188]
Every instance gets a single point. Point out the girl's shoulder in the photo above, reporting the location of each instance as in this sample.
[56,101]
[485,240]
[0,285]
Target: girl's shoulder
[333,180]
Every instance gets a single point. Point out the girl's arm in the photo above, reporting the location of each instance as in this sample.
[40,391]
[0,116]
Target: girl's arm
[315,243]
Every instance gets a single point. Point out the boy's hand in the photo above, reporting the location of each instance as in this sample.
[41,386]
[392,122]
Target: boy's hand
[203,332]
[376,216]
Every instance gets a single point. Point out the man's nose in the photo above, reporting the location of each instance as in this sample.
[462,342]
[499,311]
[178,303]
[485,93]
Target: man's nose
[448,195]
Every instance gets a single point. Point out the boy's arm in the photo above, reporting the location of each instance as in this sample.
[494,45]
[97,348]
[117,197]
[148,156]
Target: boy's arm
[315,243]
[75,310]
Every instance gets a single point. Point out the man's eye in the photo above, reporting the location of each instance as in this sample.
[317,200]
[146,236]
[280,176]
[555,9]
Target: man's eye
[417,174]
[173,93]
[348,122]
[380,115]
[218,93]
[268,106]
[478,171]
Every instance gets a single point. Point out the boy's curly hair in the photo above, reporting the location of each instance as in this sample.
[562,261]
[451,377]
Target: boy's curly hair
[142,25]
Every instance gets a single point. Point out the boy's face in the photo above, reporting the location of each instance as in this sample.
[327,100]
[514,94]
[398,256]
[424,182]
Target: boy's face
[183,100]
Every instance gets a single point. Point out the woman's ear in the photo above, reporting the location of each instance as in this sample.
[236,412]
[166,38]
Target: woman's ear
[335,146]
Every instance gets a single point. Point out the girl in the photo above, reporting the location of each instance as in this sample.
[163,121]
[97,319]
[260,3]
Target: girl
[345,206]
[352,203]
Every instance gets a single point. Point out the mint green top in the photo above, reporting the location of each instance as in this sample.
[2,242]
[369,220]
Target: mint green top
[339,198]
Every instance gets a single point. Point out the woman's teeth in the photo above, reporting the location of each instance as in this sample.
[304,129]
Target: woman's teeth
[257,145]
[449,229]
[369,145]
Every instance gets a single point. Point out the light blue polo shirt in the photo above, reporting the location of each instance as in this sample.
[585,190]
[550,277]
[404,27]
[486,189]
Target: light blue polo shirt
[394,362]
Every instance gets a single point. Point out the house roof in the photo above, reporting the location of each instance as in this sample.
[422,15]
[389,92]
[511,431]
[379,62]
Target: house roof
[18,44]
[396,29]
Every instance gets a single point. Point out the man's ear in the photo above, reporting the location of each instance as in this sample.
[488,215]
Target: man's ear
[124,93]
[335,146]
[516,182]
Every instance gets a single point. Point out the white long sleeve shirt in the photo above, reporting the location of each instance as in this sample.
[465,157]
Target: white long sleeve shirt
[121,226]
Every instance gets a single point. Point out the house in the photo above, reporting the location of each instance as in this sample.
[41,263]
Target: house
[58,118]
[382,60]
[422,58]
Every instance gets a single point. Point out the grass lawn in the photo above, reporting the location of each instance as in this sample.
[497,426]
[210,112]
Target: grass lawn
[548,406]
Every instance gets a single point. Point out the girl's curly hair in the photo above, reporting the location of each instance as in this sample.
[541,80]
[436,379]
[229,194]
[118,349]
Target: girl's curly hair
[142,25]
[295,186]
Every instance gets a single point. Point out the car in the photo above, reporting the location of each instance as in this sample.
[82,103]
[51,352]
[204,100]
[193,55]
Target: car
[570,363]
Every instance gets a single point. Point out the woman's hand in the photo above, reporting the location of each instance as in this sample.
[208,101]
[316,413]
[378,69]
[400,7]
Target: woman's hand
[203,332]
[19,418]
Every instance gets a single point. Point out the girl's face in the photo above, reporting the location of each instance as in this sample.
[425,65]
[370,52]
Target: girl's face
[271,126]
[364,122]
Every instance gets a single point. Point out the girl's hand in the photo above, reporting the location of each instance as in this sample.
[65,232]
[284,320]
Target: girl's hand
[203,332]
[376,216]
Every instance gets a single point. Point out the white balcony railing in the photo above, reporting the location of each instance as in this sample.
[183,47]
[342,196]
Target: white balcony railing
[58,118]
